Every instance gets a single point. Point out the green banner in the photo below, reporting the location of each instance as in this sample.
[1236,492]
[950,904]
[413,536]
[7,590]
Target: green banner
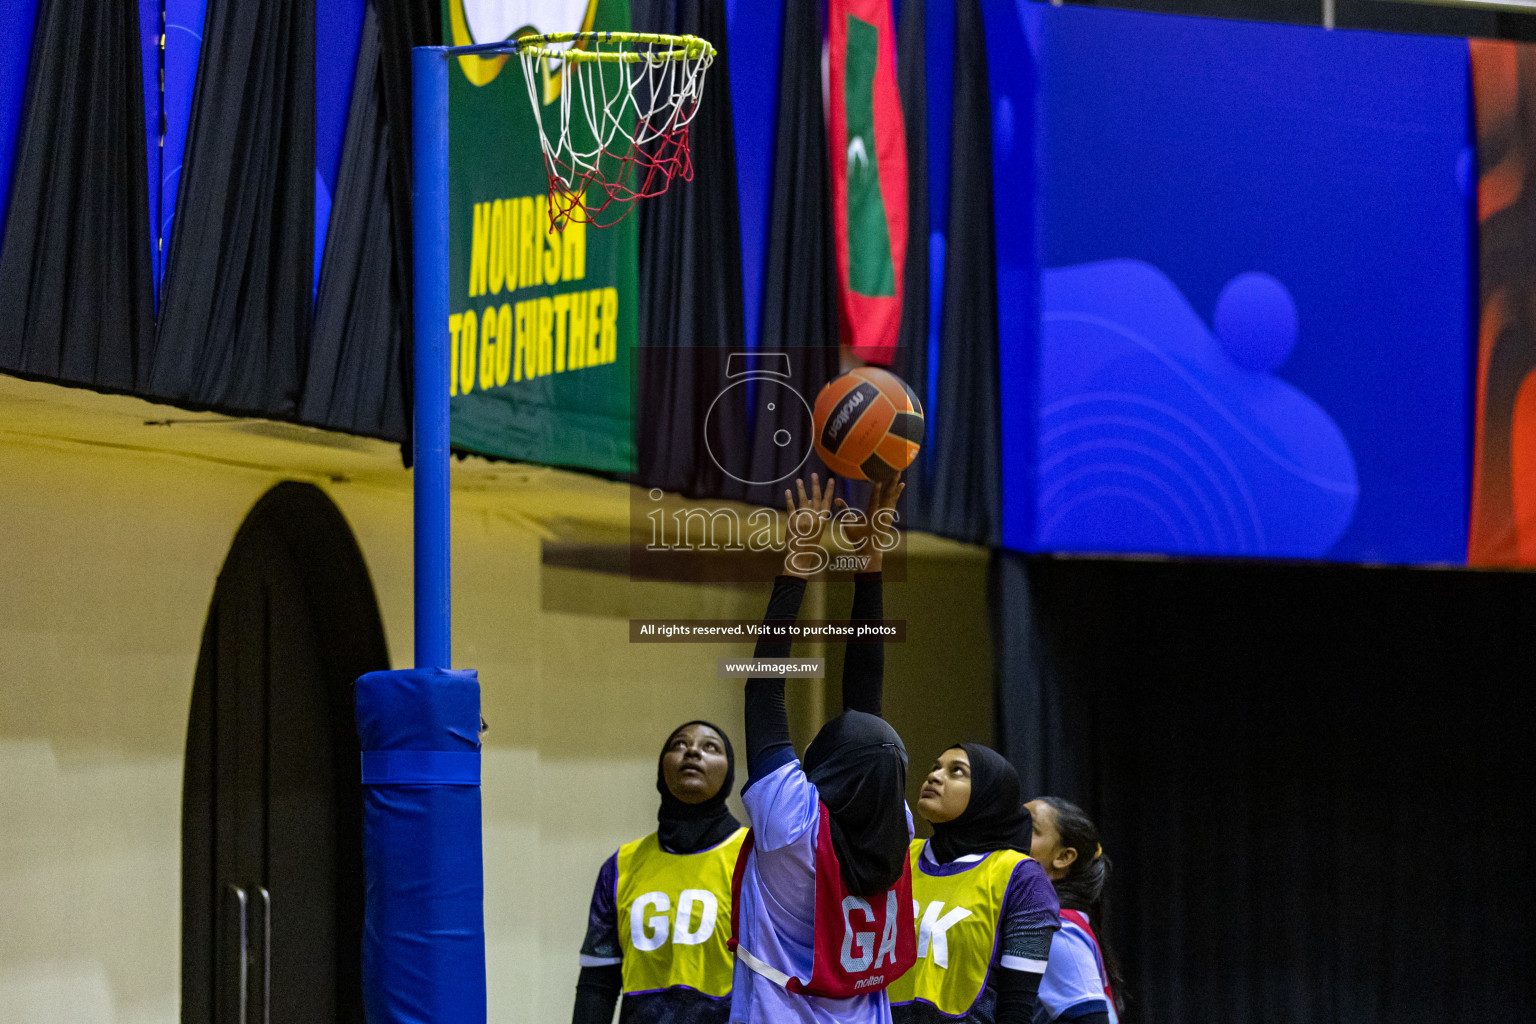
[870,270]
[543,319]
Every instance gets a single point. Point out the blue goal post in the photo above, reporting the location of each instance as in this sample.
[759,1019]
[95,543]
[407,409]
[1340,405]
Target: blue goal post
[423,950]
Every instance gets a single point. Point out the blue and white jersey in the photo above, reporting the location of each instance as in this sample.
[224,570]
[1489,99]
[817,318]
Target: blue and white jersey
[1074,977]
[776,917]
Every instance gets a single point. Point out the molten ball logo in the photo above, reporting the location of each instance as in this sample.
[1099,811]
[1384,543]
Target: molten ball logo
[844,414]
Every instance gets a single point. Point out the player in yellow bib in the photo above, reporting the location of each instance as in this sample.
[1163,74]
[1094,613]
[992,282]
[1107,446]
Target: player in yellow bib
[661,910]
[985,911]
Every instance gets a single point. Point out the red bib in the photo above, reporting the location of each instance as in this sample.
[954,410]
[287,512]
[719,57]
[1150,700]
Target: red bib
[1076,918]
[861,946]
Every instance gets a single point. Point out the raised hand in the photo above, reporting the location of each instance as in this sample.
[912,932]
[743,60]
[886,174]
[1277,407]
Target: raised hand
[807,519]
[863,533]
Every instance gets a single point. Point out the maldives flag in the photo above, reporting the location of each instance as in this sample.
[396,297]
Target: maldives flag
[868,146]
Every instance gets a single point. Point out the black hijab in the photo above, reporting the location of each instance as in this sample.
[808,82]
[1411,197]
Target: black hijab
[688,828]
[859,767]
[995,819]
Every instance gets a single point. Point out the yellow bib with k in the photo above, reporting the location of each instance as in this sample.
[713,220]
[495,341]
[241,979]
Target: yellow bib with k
[674,916]
[957,918]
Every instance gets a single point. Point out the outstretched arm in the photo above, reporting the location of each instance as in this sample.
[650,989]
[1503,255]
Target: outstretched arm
[864,663]
[767,719]
[768,746]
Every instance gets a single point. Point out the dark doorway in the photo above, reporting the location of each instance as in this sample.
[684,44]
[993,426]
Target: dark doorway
[272,882]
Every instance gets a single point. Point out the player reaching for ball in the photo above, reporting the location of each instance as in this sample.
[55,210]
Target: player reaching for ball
[660,917]
[823,889]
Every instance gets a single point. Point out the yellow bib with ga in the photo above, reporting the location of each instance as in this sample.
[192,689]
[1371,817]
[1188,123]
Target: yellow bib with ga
[674,916]
[957,918]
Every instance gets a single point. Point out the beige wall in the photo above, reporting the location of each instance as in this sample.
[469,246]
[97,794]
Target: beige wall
[113,526]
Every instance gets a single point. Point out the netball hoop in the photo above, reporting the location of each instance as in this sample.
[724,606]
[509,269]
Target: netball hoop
[622,103]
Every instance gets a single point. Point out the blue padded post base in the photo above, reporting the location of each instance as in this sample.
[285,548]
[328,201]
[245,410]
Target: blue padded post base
[424,917]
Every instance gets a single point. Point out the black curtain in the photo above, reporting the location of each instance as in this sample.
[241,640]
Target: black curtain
[357,373]
[235,331]
[1312,780]
[800,287]
[235,308]
[402,25]
[691,305]
[912,345]
[1415,17]
[1038,728]
[75,282]
[690,236]
[964,498]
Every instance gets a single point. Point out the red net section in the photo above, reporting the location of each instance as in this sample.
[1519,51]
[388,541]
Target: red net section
[613,111]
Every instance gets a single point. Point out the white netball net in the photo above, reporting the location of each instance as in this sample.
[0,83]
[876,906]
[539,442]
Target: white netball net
[616,128]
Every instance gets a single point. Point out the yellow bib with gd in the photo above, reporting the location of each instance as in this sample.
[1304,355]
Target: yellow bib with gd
[957,917]
[674,916]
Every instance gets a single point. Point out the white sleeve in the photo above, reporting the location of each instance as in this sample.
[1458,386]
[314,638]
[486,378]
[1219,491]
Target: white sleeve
[781,806]
[1071,975]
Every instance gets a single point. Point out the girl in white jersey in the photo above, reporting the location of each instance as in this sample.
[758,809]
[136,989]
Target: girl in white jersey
[823,895]
[1082,982]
